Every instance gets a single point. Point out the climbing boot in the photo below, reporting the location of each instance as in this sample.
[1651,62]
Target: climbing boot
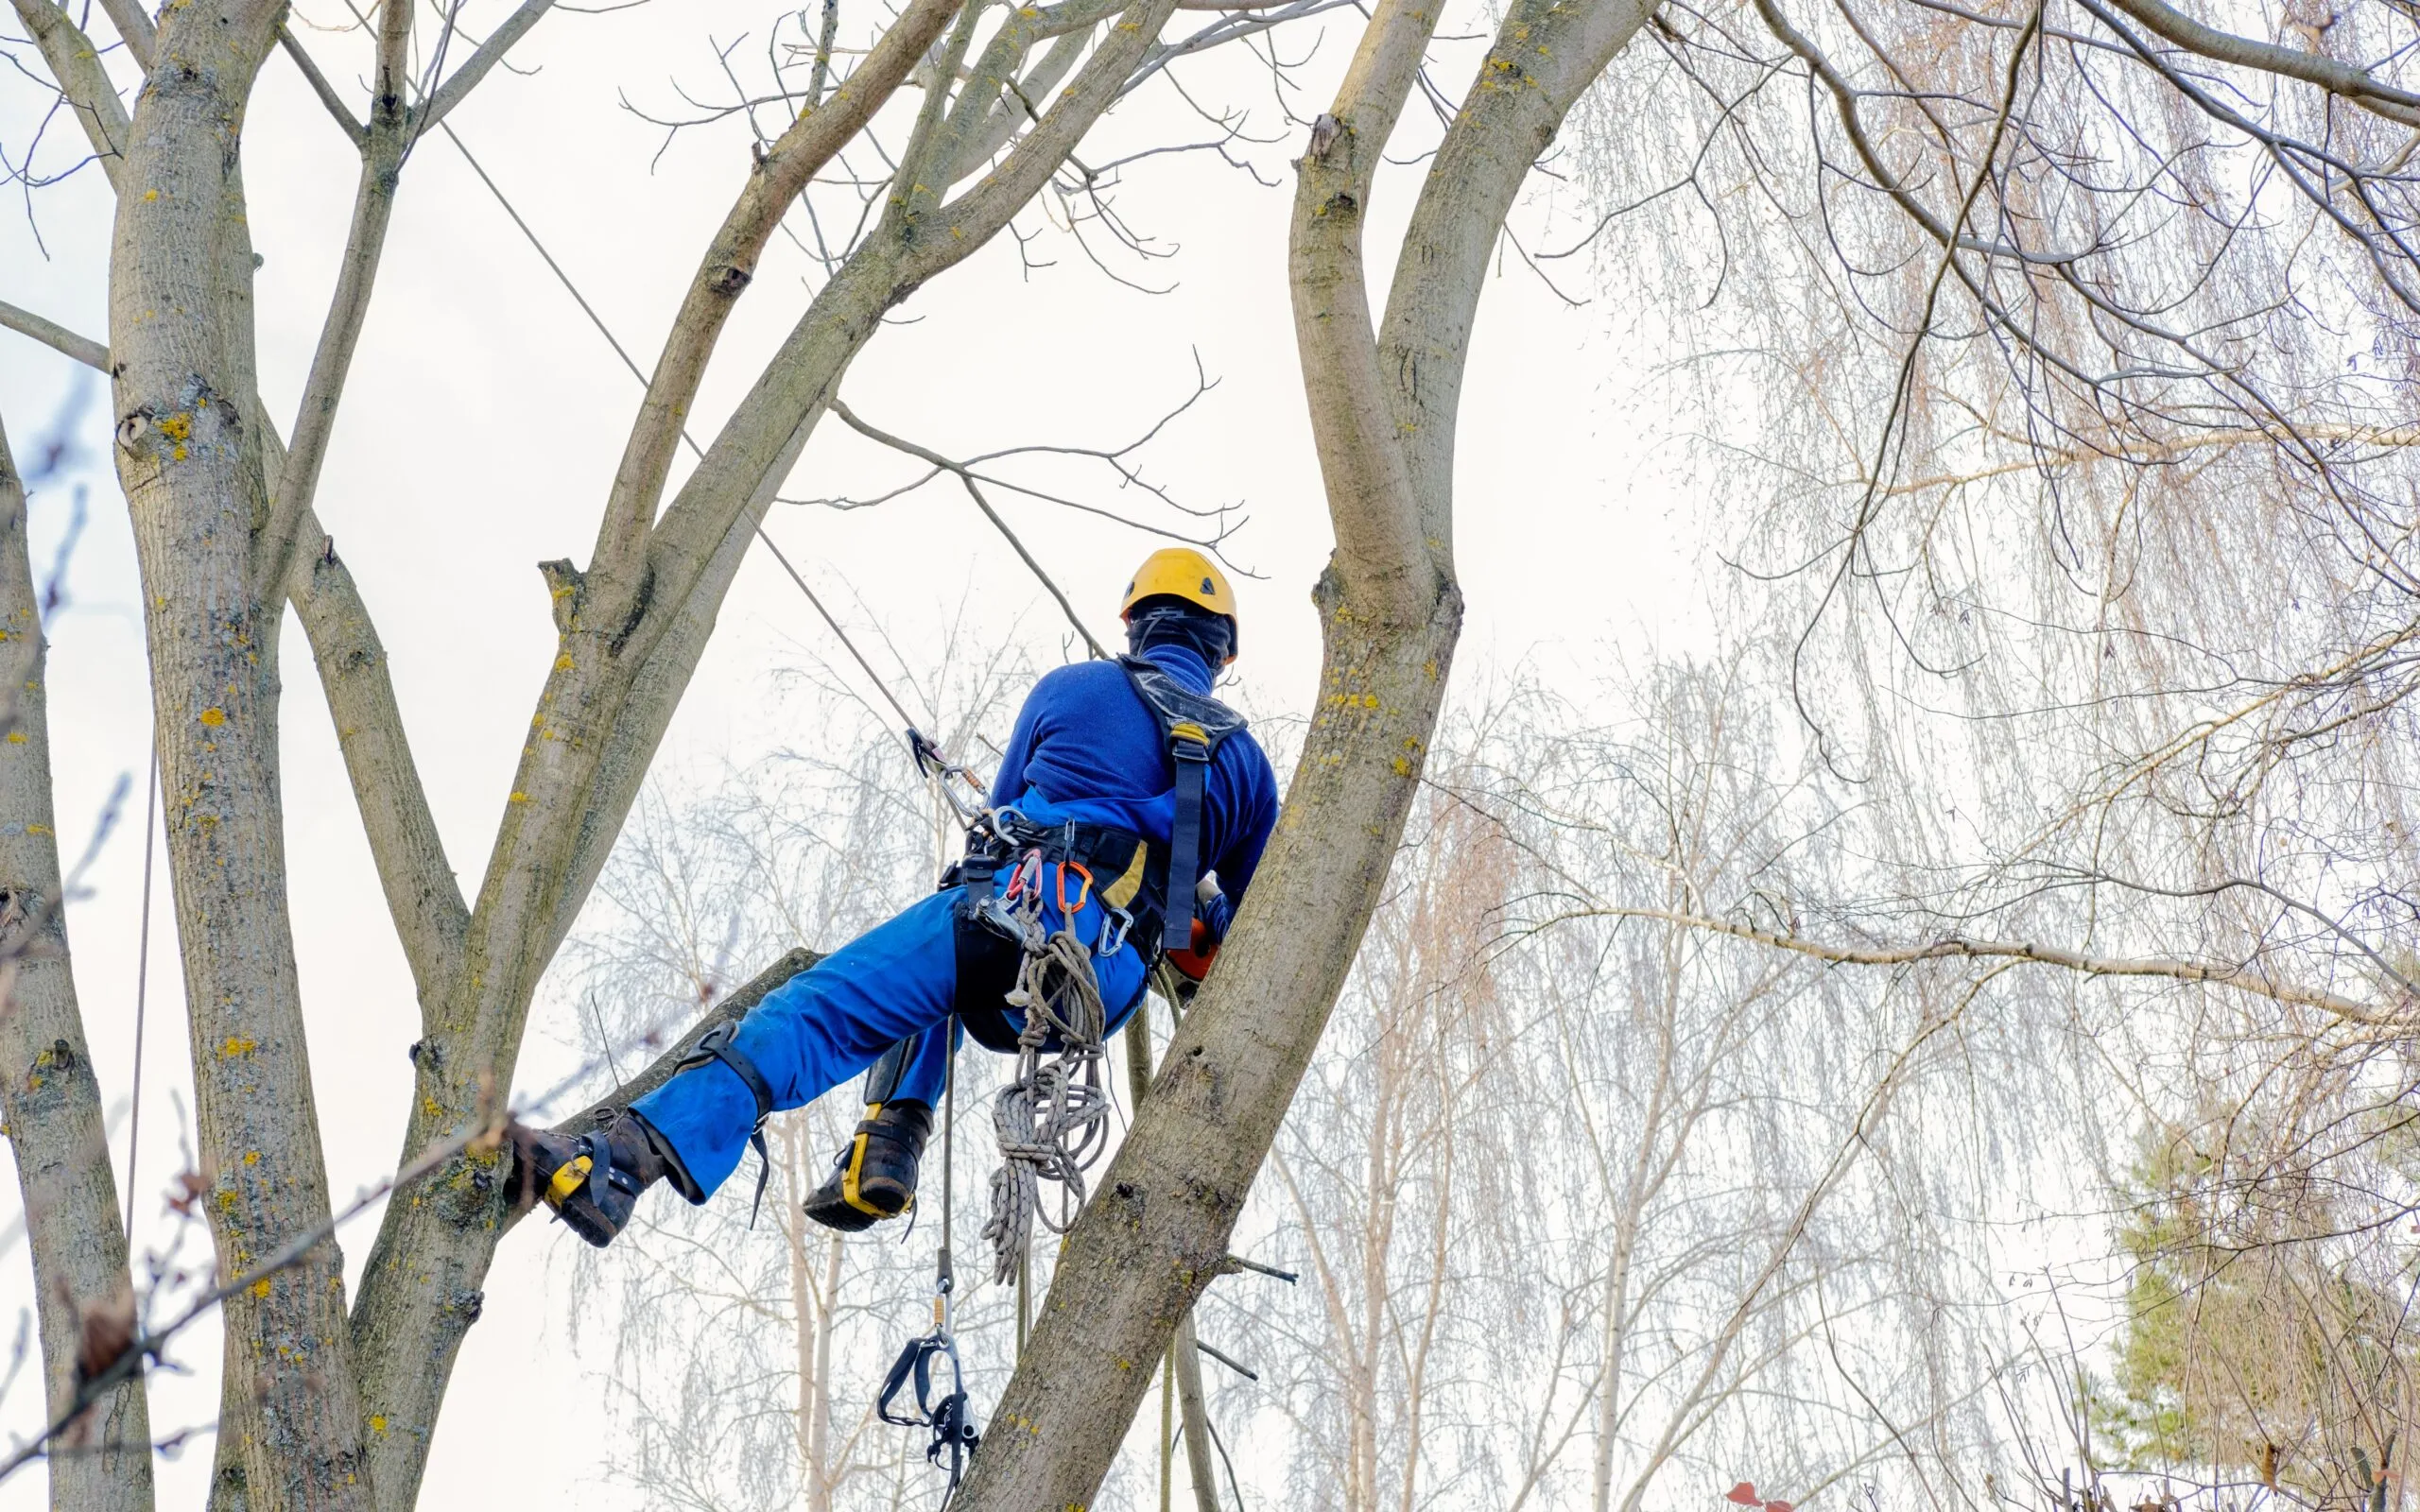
[875,1177]
[591,1181]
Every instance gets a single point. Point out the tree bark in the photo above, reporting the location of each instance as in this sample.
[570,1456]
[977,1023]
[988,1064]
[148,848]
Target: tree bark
[49,1096]
[1383,399]
[1185,1360]
[193,469]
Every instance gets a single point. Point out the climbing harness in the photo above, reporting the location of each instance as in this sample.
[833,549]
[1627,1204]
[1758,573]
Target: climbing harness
[1052,1119]
[953,1429]
[991,935]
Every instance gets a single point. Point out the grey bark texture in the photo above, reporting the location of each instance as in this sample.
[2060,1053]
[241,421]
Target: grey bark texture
[49,1098]
[194,476]
[1183,1359]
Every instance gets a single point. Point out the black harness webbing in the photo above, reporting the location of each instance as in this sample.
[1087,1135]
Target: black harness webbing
[953,1433]
[1195,726]
[718,1045]
[953,1427]
[1189,750]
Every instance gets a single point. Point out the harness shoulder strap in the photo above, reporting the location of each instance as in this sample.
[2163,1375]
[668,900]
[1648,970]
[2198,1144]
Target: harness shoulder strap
[1194,725]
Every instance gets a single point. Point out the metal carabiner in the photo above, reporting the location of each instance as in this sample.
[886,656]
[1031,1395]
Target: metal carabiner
[1029,867]
[1067,910]
[1115,922]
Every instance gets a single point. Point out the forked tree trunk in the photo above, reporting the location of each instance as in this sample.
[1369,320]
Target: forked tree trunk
[48,1095]
[1382,403]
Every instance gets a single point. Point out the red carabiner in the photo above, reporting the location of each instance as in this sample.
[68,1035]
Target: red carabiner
[1028,863]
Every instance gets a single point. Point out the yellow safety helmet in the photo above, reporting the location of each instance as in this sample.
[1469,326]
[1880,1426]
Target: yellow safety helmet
[1179,572]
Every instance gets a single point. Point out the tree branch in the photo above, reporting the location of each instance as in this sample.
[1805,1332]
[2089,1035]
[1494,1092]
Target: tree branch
[50,1096]
[978,215]
[374,206]
[2355,84]
[57,337]
[1544,55]
[960,472]
[481,63]
[729,264]
[353,130]
[75,64]
[134,25]
[1380,559]
[422,896]
[2350,1010]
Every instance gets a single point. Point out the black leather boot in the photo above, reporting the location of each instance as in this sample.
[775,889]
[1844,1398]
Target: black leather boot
[591,1181]
[875,1177]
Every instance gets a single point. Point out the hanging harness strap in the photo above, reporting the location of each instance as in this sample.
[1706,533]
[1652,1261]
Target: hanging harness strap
[950,1419]
[953,1433]
[718,1044]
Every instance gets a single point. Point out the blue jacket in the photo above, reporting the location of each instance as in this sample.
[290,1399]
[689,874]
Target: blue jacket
[1085,747]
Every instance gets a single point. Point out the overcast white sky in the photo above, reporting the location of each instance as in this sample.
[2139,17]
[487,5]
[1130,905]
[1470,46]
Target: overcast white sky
[482,425]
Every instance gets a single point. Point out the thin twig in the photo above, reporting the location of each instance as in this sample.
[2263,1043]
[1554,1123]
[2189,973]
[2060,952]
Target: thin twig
[975,492]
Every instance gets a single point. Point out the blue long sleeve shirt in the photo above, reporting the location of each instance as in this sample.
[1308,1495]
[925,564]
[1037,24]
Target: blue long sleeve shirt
[1086,748]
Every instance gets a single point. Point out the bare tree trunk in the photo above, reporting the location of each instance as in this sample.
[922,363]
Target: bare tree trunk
[1184,1357]
[1390,615]
[819,1443]
[48,1095]
[193,473]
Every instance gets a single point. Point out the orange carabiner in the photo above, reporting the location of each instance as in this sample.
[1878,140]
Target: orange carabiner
[1068,911]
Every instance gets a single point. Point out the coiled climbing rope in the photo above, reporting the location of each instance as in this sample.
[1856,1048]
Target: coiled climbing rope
[1053,1117]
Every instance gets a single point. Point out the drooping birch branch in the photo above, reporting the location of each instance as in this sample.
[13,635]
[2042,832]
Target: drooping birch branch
[2344,81]
[2214,973]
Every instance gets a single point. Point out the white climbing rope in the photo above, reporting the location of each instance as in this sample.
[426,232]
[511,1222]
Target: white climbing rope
[1053,1116]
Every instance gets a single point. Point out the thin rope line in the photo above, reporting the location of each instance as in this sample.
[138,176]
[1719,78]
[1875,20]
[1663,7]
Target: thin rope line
[602,330]
[142,987]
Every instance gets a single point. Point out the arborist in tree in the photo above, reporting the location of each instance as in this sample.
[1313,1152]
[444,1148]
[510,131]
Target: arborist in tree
[1132,801]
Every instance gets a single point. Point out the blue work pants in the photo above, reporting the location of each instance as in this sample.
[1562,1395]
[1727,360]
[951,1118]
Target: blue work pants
[897,981]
